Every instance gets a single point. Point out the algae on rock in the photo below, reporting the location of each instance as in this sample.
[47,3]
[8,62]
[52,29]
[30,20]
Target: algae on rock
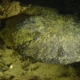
[47,36]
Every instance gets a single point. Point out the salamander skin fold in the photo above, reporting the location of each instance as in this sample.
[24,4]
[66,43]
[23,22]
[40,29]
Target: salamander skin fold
[48,37]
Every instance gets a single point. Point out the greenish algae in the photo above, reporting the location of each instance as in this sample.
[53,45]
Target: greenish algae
[47,37]
[27,69]
[38,70]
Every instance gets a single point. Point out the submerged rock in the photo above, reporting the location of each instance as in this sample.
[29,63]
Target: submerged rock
[47,37]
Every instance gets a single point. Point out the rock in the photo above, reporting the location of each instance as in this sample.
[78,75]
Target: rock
[47,37]
[8,9]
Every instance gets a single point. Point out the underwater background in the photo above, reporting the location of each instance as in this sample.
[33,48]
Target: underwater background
[39,40]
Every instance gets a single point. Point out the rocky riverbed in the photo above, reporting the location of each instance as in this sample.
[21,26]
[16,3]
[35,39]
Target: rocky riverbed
[38,43]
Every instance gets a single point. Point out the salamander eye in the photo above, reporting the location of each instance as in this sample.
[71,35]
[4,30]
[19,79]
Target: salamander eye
[60,51]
